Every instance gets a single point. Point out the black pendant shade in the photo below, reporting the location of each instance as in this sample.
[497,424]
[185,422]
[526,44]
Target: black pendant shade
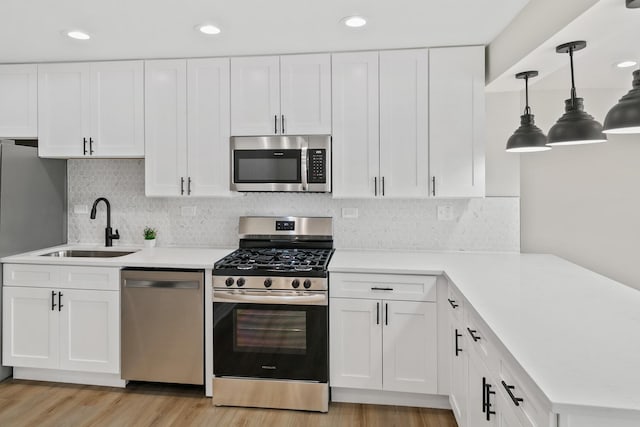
[575,126]
[624,117]
[528,137]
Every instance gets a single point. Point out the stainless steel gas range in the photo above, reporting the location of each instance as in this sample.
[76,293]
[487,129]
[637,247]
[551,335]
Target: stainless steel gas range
[270,314]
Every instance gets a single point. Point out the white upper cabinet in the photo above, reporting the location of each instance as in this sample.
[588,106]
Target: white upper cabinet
[165,127]
[288,95]
[19,101]
[187,128]
[208,153]
[404,123]
[91,109]
[305,93]
[64,120]
[255,95]
[356,141]
[457,124]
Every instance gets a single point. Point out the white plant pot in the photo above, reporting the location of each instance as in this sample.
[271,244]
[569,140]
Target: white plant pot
[150,243]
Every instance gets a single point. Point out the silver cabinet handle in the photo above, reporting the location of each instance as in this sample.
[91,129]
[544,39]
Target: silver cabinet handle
[189,186]
[283,132]
[182,186]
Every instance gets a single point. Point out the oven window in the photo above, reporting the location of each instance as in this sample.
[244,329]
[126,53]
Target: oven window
[270,331]
[267,166]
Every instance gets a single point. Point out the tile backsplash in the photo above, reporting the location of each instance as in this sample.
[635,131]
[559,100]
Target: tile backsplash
[489,224]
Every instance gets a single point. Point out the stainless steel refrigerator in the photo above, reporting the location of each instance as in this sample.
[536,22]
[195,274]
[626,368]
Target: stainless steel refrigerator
[33,205]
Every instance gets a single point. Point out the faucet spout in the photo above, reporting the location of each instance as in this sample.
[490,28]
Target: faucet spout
[109,236]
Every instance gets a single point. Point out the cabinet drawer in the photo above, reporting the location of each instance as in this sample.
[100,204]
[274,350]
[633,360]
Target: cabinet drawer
[530,410]
[58,276]
[383,286]
[481,341]
[455,302]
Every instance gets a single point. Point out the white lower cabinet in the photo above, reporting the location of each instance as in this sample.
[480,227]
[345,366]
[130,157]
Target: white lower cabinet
[381,343]
[50,327]
[459,374]
[482,408]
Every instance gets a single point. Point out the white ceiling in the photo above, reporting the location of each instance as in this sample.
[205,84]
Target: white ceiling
[30,30]
[612,32]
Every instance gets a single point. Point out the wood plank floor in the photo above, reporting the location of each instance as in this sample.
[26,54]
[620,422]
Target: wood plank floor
[33,403]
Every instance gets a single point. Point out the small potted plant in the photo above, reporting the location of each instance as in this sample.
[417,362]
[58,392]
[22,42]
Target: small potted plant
[150,237]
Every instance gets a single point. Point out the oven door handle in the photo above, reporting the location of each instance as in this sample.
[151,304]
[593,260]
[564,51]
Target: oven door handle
[263,298]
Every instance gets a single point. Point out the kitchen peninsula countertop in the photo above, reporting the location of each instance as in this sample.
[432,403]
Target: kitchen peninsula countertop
[575,332]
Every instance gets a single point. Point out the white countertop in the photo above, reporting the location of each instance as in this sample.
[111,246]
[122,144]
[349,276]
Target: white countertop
[160,257]
[575,332]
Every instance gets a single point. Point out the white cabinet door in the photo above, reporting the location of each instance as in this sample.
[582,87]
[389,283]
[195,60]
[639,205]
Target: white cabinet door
[459,372]
[482,395]
[255,96]
[404,123]
[90,331]
[117,109]
[355,343]
[356,141]
[19,101]
[29,327]
[208,127]
[506,416]
[64,122]
[410,347]
[166,127]
[457,121]
[305,85]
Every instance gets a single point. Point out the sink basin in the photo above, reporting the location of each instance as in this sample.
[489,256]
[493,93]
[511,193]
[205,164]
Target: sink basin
[87,254]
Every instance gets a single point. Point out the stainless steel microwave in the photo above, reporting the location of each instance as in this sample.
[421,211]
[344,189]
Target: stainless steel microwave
[281,163]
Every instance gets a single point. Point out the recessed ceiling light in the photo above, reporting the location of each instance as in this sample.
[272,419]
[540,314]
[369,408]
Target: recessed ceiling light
[626,64]
[208,29]
[354,21]
[78,35]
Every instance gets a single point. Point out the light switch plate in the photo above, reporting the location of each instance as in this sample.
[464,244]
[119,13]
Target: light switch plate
[445,213]
[350,213]
[188,211]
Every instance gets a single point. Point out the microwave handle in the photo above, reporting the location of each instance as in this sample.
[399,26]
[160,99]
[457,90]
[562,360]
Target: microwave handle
[304,164]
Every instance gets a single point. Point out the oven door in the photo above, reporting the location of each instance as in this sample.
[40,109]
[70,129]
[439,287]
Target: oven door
[270,334]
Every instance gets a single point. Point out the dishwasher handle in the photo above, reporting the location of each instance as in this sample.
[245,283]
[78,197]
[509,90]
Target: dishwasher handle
[162,284]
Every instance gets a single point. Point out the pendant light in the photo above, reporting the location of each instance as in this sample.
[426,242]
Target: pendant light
[624,117]
[528,137]
[575,126]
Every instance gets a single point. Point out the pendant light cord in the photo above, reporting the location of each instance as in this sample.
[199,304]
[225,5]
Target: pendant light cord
[527,110]
[573,82]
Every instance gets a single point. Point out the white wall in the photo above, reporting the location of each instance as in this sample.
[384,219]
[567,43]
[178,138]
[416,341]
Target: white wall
[583,202]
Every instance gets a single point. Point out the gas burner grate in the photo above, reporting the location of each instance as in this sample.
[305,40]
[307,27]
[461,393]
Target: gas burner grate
[271,259]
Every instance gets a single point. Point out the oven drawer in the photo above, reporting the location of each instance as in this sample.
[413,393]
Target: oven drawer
[383,286]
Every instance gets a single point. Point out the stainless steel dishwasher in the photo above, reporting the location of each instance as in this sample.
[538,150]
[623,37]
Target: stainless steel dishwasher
[162,328]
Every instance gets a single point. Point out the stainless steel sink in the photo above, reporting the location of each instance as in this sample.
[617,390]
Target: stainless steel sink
[87,254]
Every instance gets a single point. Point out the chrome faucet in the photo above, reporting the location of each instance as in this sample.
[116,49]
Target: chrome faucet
[108,232]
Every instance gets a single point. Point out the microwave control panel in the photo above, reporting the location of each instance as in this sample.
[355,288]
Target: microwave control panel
[317,166]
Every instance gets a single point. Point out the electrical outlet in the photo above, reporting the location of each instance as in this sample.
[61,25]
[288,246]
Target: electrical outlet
[80,209]
[188,211]
[350,213]
[445,213]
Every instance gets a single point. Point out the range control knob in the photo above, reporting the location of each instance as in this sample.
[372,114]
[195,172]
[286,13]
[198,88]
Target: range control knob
[307,284]
[229,281]
[240,282]
[267,283]
[295,283]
